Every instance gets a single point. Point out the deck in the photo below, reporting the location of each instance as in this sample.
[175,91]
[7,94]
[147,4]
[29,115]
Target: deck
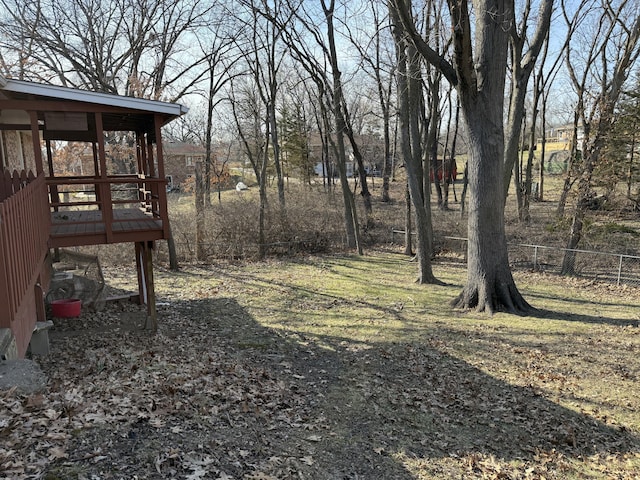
[88,227]
[97,177]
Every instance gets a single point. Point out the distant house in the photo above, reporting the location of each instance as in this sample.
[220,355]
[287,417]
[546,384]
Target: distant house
[558,142]
[180,160]
[371,148]
[564,134]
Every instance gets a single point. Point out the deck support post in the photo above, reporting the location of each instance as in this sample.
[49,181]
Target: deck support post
[147,294]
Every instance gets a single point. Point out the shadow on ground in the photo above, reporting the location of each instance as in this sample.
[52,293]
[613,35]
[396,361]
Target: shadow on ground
[254,400]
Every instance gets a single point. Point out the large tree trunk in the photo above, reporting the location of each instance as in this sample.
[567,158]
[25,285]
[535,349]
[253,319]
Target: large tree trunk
[490,285]
[480,79]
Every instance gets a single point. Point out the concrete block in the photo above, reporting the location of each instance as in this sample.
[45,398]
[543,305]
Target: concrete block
[23,375]
[39,344]
[8,347]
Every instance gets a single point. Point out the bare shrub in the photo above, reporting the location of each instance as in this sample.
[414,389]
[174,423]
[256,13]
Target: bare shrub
[311,223]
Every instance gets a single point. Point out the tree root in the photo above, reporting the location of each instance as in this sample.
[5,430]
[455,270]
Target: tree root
[497,297]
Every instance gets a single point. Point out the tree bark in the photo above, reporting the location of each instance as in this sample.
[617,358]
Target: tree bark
[408,224]
[409,92]
[480,80]
[200,220]
[353,241]
[490,285]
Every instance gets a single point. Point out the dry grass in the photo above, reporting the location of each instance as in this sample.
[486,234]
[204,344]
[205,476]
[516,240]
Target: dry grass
[333,367]
[339,366]
[561,381]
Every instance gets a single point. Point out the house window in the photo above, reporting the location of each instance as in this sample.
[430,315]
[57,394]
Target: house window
[189,161]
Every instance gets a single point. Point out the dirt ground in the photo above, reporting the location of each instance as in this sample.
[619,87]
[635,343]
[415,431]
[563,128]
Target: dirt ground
[216,395]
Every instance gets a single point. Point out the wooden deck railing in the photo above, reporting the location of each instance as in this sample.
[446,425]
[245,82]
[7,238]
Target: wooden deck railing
[105,194]
[24,233]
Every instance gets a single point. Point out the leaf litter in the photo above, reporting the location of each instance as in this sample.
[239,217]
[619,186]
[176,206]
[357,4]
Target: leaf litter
[215,394]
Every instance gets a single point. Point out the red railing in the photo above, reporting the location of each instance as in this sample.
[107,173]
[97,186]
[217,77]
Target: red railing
[24,233]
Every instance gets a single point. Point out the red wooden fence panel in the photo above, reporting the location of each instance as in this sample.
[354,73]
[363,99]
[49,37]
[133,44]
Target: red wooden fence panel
[24,233]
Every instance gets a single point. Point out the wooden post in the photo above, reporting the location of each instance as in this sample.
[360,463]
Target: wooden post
[142,293]
[162,189]
[146,289]
[35,134]
[104,186]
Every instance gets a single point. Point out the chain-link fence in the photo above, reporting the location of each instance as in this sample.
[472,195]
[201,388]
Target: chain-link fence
[620,269]
[600,266]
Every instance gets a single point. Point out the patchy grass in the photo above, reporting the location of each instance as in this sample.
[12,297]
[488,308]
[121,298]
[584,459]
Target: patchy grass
[339,367]
[551,394]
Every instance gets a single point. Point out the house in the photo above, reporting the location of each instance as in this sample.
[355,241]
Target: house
[180,160]
[371,148]
[564,135]
[42,208]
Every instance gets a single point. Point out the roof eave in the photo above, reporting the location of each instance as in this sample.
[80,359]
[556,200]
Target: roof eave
[54,91]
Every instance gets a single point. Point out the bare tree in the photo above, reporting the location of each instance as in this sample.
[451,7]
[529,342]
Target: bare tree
[433,114]
[113,46]
[221,59]
[612,54]
[545,76]
[325,73]
[250,116]
[409,110]
[377,62]
[449,167]
[266,59]
[479,73]
[339,104]
[522,64]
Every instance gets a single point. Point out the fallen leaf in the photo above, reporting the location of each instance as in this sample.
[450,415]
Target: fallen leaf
[56,453]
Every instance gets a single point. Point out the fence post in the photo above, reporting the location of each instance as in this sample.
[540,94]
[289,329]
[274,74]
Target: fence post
[535,257]
[619,270]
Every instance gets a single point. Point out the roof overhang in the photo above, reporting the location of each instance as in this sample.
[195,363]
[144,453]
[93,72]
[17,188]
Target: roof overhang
[119,112]
[65,93]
